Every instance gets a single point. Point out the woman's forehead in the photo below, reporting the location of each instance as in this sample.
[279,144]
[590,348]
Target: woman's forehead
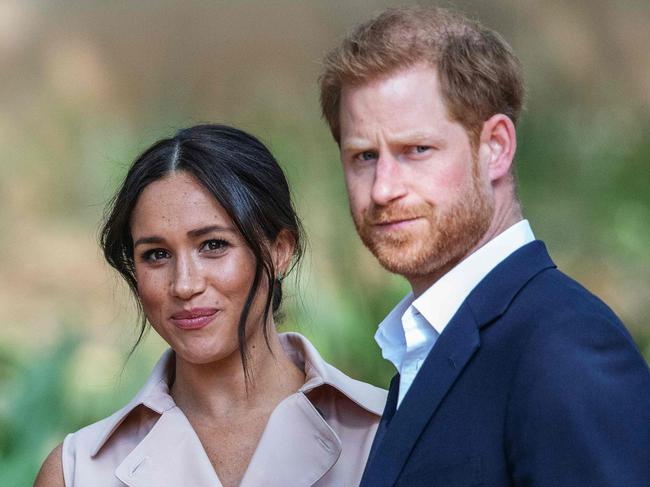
[177,202]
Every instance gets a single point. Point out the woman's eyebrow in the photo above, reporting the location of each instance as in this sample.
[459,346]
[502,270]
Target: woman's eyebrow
[211,228]
[148,240]
[192,234]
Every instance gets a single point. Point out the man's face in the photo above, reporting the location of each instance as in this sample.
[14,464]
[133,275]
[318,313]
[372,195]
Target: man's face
[418,194]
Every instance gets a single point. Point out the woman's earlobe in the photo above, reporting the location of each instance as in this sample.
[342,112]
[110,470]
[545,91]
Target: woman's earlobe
[283,250]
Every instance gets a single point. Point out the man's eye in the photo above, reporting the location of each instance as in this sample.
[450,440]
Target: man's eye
[214,244]
[420,149]
[155,255]
[367,155]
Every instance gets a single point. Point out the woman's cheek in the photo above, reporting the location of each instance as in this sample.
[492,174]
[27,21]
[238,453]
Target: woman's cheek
[233,275]
[151,291]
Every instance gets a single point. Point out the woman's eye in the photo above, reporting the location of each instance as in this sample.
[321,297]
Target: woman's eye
[155,255]
[214,245]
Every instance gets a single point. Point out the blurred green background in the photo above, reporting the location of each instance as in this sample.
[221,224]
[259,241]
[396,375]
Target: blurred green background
[86,85]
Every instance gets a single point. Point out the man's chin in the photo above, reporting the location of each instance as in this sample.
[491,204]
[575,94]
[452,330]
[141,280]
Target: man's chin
[414,263]
[400,260]
[404,269]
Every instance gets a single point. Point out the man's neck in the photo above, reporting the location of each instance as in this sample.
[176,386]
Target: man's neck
[504,217]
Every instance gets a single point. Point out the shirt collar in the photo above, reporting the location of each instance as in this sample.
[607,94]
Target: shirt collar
[439,303]
[390,334]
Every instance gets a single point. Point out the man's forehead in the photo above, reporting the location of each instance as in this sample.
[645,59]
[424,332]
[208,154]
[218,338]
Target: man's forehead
[407,105]
[413,87]
[391,81]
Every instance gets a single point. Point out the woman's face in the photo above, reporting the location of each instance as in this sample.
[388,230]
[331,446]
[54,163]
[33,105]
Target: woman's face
[193,269]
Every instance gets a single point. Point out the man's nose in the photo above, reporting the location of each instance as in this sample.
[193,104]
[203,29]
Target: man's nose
[388,184]
[188,279]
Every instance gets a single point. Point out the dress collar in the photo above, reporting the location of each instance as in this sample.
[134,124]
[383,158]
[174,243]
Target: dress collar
[155,393]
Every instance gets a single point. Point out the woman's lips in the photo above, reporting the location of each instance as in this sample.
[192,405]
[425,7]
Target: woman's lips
[194,318]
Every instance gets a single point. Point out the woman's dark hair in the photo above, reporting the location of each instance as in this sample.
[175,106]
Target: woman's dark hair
[246,180]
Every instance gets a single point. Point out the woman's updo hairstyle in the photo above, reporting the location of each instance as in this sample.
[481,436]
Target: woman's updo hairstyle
[244,178]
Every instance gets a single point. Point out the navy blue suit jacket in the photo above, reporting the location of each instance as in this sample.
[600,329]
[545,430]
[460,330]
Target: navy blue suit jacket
[534,382]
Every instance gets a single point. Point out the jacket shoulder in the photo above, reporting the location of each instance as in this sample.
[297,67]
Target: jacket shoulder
[555,300]
[580,388]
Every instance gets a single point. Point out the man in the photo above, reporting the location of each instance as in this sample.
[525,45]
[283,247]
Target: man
[509,372]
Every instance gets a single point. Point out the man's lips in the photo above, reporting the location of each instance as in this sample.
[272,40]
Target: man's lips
[395,223]
[194,318]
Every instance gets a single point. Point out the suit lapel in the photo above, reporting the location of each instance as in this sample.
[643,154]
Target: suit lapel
[170,455]
[389,411]
[447,359]
[494,294]
[444,364]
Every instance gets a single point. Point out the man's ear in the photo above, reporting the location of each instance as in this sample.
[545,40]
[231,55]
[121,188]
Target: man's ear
[497,146]
[282,251]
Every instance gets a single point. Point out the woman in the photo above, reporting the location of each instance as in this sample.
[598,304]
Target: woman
[203,231]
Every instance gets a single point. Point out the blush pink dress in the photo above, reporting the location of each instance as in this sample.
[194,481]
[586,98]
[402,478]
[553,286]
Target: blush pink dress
[318,436]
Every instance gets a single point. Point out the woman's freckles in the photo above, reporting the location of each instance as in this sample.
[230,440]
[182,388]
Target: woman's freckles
[205,267]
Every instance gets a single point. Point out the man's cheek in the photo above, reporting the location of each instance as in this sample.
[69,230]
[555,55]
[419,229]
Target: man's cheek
[355,192]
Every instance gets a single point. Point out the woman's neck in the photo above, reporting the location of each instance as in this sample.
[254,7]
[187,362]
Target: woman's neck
[216,389]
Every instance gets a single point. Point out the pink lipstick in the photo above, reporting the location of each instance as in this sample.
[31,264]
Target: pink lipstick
[193,319]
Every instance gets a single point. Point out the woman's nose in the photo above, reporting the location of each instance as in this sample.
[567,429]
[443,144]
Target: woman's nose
[188,279]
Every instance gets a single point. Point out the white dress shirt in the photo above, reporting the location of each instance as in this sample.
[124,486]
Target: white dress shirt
[411,329]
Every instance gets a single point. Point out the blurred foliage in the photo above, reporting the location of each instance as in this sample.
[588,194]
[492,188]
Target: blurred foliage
[31,410]
[86,85]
